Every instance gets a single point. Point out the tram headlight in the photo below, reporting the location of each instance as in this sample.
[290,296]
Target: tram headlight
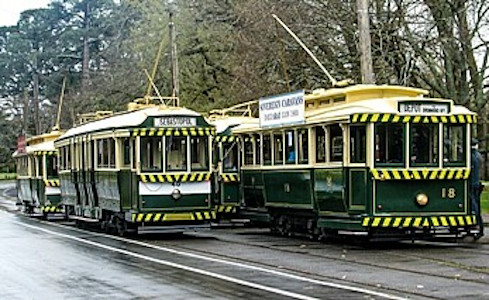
[422,199]
[176,194]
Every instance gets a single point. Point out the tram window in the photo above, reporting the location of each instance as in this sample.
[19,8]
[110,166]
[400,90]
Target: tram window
[39,165]
[389,144]
[91,151]
[51,164]
[68,157]
[267,150]
[111,152]
[151,154]
[454,144]
[358,144]
[278,148]
[26,165]
[320,144]
[32,166]
[303,146]
[176,150]
[134,154]
[126,152]
[424,144]
[335,143]
[248,151]
[199,153]
[100,155]
[257,142]
[230,156]
[290,146]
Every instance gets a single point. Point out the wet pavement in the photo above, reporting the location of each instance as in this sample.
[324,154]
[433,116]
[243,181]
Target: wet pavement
[49,260]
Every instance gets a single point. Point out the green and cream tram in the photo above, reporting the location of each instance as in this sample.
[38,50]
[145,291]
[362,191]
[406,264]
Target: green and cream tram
[37,175]
[372,160]
[226,155]
[145,170]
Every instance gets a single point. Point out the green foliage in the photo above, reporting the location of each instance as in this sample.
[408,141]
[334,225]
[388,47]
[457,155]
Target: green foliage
[230,51]
[7,176]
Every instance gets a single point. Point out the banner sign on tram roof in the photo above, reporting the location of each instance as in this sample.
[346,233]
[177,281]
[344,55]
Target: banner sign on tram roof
[282,109]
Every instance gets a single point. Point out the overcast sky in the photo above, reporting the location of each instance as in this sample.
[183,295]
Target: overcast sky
[10,9]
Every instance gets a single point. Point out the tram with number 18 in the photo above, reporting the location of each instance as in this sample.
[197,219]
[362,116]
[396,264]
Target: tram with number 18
[143,170]
[368,160]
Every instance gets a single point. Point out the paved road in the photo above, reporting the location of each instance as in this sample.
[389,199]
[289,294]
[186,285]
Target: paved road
[47,260]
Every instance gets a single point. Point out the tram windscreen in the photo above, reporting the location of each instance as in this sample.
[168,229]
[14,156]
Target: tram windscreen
[199,153]
[230,156]
[454,144]
[176,151]
[424,144]
[389,144]
[151,156]
[52,167]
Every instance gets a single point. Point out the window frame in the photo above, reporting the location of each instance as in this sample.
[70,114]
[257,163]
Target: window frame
[465,153]
[401,164]
[411,145]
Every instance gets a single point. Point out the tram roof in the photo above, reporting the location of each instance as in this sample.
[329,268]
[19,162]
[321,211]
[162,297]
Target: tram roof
[44,146]
[367,91]
[128,119]
[226,122]
[338,104]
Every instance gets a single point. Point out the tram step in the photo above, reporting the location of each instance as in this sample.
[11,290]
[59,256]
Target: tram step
[172,229]
[83,219]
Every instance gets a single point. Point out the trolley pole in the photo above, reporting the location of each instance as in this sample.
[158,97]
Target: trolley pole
[365,42]
[174,60]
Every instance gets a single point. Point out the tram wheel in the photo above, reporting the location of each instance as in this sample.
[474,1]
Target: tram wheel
[313,232]
[274,227]
[121,226]
[284,226]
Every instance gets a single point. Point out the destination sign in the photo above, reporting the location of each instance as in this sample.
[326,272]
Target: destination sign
[282,109]
[424,108]
[175,122]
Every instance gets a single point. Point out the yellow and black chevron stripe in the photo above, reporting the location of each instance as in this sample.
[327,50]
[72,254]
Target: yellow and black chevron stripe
[193,131]
[394,118]
[228,209]
[229,178]
[418,174]
[52,183]
[169,217]
[225,138]
[51,209]
[41,153]
[190,177]
[406,222]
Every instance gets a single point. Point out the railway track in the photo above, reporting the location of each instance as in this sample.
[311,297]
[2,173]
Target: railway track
[453,269]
